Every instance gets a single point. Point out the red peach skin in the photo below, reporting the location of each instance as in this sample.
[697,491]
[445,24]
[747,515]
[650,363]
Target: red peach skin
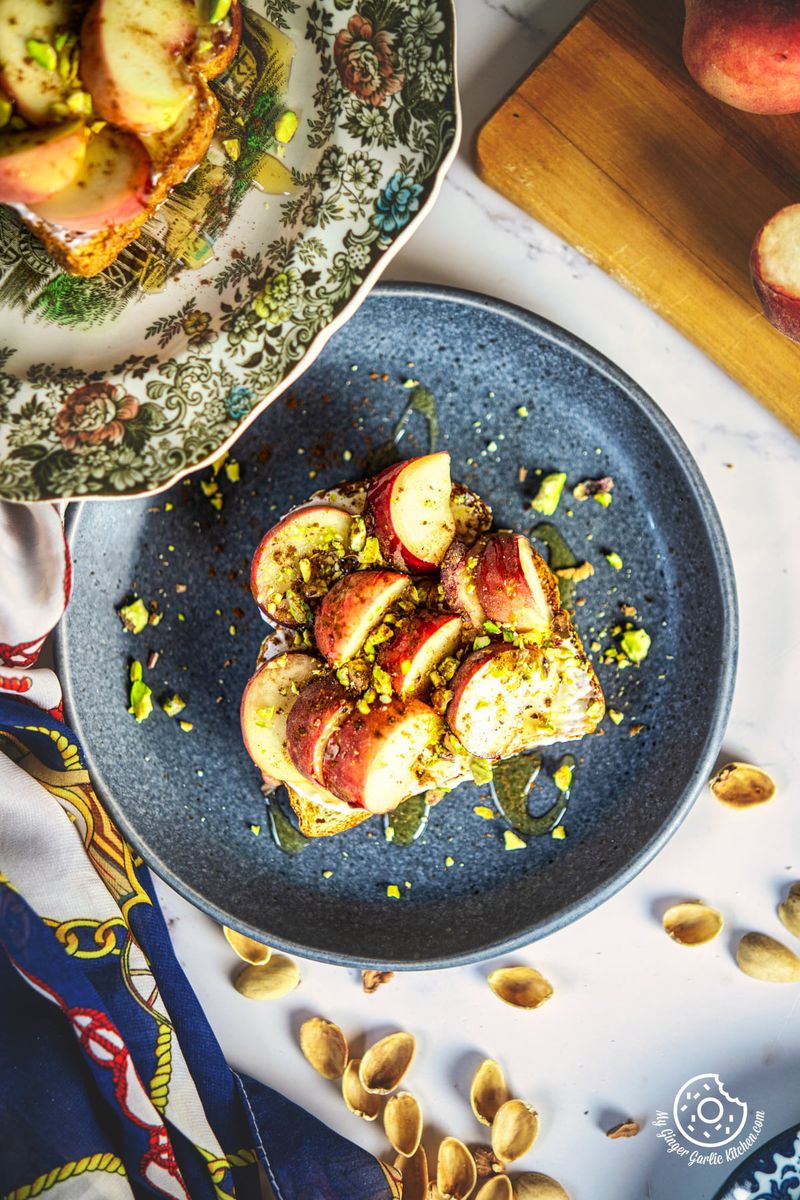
[409,504]
[458,581]
[316,714]
[515,585]
[419,646]
[775,270]
[352,608]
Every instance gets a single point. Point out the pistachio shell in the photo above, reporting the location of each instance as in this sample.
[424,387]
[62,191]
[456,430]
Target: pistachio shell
[414,1171]
[692,923]
[763,958]
[325,1047]
[402,1120]
[384,1064]
[489,1090]
[789,911]
[741,785]
[535,1186]
[456,1173]
[361,1103]
[498,1188]
[514,1130]
[625,1129]
[523,987]
[275,978]
[247,948]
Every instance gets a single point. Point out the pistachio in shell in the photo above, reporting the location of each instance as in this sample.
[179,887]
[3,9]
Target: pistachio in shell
[402,1120]
[692,923]
[741,785]
[789,910]
[488,1091]
[325,1047]
[384,1064]
[497,1188]
[522,987]
[414,1173]
[514,1130]
[535,1186]
[248,949]
[359,1102]
[456,1173]
[276,978]
[764,958]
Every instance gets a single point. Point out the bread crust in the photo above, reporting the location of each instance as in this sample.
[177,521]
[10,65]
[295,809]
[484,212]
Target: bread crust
[315,820]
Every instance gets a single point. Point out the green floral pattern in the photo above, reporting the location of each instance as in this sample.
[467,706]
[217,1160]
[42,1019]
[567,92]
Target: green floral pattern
[382,123]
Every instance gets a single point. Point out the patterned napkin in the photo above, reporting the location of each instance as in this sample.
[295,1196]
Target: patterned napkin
[112,1084]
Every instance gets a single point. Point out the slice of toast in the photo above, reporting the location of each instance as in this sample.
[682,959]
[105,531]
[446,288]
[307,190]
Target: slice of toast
[317,820]
[174,155]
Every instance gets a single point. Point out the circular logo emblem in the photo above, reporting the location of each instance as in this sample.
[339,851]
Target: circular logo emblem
[705,1114]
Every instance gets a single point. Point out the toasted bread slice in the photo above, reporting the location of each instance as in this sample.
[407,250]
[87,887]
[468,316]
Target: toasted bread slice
[317,820]
[216,52]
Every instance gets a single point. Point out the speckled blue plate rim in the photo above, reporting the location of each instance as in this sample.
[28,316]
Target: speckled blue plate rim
[743,1173]
[556,335]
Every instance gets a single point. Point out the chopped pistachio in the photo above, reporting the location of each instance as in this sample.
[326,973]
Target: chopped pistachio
[480,769]
[559,833]
[371,552]
[480,642]
[305,569]
[232,148]
[218,10]
[603,498]
[636,644]
[255,830]
[141,701]
[186,726]
[382,679]
[173,705]
[481,810]
[286,126]
[615,716]
[562,778]
[216,502]
[6,110]
[614,560]
[546,499]
[393,891]
[362,706]
[522,411]
[490,627]
[135,672]
[327,874]
[233,471]
[209,486]
[512,842]
[449,861]
[42,53]
[134,616]
[79,103]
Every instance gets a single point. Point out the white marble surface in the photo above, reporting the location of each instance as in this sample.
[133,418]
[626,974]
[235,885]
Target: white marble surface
[633,1015]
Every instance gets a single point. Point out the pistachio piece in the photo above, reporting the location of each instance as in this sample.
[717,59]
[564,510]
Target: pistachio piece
[247,948]
[487,1161]
[498,1188]
[384,1064]
[325,1047]
[789,911]
[488,1092]
[763,958]
[535,1186]
[359,1101]
[741,785]
[456,1174]
[42,53]
[372,979]
[275,978]
[514,1130]
[402,1120]
[522,987]
[414,1172]
[625,1129]
[692,923]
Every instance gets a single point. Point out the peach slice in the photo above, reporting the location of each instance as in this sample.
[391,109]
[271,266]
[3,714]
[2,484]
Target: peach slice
[352,608]
[458,581]
[775,270]
[372,759]
[484,710]
[409,504]
[418,647]
[309,541]
[33,88]
[111,187]
[315,716]
[745,52]
[38,163]
[132,61]
[515,585]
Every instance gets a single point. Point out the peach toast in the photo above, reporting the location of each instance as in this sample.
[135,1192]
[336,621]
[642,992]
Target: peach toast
[405,659]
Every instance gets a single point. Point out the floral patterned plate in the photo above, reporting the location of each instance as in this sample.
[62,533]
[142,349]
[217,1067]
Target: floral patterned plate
[118,385]
[770,1173]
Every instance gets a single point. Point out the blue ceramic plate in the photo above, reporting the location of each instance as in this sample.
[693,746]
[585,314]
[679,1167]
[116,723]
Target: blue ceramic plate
[771,1173]
[512,392]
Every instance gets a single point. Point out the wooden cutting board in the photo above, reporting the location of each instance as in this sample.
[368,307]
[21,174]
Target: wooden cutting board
[610,144]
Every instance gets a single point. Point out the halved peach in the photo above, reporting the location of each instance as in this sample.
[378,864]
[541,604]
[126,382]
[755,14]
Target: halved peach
[310,541]
[409,504]
[266,703]
[418,647]
[352,608]
[372,760]
[485,708]
[775,269]
[34,88]
[111,187]
[458,581]
[515,585]
[315,716]
[38,163]
[132,61]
